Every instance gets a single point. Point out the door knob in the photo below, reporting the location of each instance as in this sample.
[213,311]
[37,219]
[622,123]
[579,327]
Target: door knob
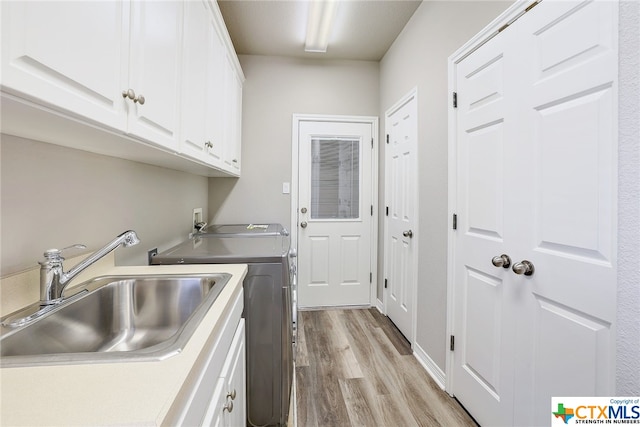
[228,406]
[501,261]
[303,210]
[303,224]
[408,234]
[524,267]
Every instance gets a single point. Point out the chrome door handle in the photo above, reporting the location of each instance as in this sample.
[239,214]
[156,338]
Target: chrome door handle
[303,224]
[501,261]
[524,267]
[408,234]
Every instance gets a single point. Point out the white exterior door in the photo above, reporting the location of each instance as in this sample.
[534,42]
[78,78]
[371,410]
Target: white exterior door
[536,181]
[334,213]
[402,202]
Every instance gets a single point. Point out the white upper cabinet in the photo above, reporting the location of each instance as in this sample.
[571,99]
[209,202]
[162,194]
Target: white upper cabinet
[233,117]
[201,92]
[67,54]
[154,64]
[140,80]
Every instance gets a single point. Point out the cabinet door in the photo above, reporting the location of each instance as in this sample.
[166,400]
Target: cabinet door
[154,70]
[228,407]
[71,55]
[215,86]
[193,141]
[235,381]
[233,111]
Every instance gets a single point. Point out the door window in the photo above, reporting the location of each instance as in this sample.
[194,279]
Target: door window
[335,178]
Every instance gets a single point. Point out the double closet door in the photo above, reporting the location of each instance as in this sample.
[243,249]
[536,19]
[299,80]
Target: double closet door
[534,253]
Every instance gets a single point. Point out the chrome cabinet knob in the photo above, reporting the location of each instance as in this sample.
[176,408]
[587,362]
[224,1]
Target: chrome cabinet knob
[228,406]
[501,261]
[303,224]
[408,234]
[208,144]
[524,267]
[139,99]
[232,394]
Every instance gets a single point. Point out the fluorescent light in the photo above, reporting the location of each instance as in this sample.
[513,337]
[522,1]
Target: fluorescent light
[319,24]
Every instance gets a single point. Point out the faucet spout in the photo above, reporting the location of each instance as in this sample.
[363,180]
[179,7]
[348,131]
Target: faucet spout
[53,279]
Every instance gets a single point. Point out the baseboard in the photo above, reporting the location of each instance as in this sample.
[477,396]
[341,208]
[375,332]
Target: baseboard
[429,365]
[380,306]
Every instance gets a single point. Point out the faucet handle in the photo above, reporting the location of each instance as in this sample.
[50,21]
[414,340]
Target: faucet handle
[55,254]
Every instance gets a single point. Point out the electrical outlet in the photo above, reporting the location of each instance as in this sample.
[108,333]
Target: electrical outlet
[152,252]
[197,217]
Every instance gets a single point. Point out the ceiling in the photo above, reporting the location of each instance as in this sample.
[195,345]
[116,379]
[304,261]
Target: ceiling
[363,29]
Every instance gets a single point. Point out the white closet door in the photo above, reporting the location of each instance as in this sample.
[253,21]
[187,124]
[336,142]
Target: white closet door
[536,176]
[565,209]
[484,307]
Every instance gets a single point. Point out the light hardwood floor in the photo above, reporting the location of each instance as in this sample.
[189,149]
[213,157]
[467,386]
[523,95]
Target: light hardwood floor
[354,368]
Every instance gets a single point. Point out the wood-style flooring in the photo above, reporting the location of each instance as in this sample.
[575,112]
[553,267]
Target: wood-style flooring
[354,368]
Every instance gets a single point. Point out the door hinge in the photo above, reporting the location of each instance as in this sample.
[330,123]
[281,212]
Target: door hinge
[370,277]
[385,283]
[455,99]
[387,211]
[371,210]
[452,343]
[387,138]
[455,222]
[371,142]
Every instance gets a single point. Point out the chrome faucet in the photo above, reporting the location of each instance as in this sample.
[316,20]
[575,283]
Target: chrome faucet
[53,279]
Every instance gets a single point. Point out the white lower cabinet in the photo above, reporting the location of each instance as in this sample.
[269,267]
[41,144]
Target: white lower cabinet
[214,393]
[228,405]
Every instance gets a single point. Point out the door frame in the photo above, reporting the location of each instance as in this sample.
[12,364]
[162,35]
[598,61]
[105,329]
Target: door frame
[508,17]
[411,95]
[295,168]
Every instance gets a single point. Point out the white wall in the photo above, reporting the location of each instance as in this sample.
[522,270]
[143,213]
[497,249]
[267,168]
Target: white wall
[628,342]
[53,197]
[419,58]
[274,90]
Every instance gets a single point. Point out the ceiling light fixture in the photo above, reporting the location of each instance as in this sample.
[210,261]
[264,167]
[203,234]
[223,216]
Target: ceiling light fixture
[319,24]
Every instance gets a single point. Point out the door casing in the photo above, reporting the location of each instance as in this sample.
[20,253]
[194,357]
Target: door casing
[373,122]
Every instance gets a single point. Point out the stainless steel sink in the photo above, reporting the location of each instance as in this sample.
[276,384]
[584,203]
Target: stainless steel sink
[115,318]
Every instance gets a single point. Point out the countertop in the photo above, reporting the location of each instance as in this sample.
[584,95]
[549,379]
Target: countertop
[131,393]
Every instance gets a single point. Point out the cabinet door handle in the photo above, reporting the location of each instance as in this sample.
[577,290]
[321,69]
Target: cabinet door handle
[131,94]
[228,407]
[232,394]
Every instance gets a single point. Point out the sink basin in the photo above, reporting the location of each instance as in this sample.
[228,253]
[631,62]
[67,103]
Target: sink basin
[115,318]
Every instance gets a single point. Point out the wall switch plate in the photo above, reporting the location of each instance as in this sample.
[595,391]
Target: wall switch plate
[286,188]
